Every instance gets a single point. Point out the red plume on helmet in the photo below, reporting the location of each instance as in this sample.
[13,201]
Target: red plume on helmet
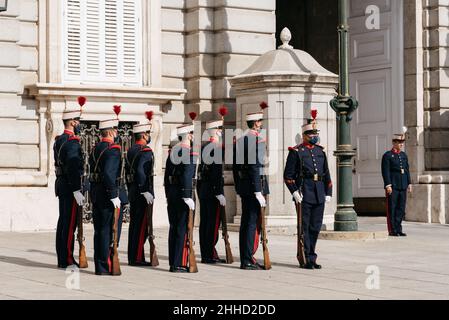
[223,111]
[149,115]
[82,101]
[117,110]
[314,114]
[192,115]
[263,105]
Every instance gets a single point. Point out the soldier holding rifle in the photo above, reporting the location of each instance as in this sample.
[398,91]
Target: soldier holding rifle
[308,178]
[139,173]
[179,178]
[105,163]
[211,193]
[252,186]
[69,170]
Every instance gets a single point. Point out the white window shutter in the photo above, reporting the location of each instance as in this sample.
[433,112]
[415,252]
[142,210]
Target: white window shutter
[73,64]
[92,42]
[131,41]
[103,41]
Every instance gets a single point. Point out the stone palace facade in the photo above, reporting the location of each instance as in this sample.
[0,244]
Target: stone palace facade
[178,56]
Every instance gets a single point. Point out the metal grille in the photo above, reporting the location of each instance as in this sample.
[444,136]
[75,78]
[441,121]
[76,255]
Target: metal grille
[90,136]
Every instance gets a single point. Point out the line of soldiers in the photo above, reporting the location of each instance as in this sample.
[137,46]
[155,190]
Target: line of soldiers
[306,176]
[181,174]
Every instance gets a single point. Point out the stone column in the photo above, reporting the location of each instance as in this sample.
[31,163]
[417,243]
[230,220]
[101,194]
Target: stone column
[427,109]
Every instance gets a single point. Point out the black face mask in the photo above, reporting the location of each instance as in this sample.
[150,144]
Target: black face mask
[117,140]
[77,129]
[149,140]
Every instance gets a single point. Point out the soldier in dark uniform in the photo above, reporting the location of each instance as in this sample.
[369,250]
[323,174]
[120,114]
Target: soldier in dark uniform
[69,170]
[252,186]
[308,178]
[396,176]
[211,192]
[105,163]
[178,182]
[139,172]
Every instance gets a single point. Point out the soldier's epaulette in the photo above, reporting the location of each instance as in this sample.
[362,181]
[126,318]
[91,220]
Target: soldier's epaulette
[146,150]
[320,146]
[73,138]
[115,146]
[57,137]
[295,148]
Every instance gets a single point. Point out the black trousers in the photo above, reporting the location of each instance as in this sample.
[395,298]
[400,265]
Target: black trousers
[396,203]
[249,229]
[65,230]
[312,220]
[138,231]
[103,216]
[178,215]
[209,227]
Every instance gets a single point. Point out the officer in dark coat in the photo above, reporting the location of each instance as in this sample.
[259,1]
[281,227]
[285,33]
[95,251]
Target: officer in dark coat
[69,170]
[105,163]
[308,178]
[211,192]
[178,182]
[252,186]
[396,176]
[139,173]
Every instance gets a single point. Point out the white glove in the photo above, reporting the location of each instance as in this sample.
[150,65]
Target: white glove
[79,198]
[221,198]
[297,196]
[328,199]
[261,199]
[190,203]
[148,196]
[116,202]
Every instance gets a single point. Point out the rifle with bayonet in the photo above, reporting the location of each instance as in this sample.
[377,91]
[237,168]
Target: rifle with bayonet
[264,239]
[80,212]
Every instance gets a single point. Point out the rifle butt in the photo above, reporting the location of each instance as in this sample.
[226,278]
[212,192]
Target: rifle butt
[229,257]
[115,260]
[154,261]
[193,268]
[82,257]
[266,258]
[116,266]
[300,250]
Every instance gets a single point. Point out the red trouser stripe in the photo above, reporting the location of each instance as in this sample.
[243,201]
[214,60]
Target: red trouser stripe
[185,252]
[256,238]
[71,232]
[141,239]
[217,225]
[390,229]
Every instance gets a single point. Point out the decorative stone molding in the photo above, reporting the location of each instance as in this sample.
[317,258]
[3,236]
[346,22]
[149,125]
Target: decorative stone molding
[53,91]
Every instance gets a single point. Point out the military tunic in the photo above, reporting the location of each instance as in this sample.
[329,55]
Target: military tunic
[178,183]
[307,171]
[105,163]
[396,173]
[69,170]
[210,185]
[139,172]
[249,178]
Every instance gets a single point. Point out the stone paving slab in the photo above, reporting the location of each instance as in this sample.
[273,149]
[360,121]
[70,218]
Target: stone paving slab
[415,267]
